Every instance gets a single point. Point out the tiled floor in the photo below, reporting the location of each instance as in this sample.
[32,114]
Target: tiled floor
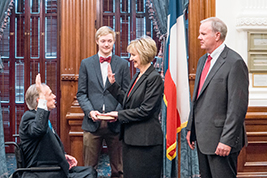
[103,167]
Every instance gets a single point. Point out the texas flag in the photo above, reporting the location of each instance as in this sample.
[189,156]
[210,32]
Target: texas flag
[176,85]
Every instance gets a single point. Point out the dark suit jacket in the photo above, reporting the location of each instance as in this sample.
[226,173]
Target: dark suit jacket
[218,114]
[92,94]
[140,123]
[41,147]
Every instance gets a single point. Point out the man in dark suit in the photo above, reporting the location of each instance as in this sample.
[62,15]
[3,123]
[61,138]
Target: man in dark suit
[41,145]
[219,104]
[94,99]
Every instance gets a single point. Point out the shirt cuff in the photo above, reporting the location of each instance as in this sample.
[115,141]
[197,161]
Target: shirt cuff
[42,104]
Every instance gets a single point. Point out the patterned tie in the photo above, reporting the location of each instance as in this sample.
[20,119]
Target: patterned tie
[102,59]
[204,74]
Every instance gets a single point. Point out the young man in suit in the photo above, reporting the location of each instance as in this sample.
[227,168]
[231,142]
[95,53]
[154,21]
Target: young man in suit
[219,104]
[41,145]
[94,99]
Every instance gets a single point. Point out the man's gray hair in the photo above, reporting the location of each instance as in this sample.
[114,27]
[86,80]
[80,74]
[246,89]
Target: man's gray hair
[31,97]
[217,25]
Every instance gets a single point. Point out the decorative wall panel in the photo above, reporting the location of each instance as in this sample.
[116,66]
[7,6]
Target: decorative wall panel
[77,34]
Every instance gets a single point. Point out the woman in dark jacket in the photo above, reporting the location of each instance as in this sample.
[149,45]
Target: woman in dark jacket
[141,132]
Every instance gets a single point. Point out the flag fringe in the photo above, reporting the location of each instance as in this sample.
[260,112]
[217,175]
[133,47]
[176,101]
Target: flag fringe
[183,125]
[170,149]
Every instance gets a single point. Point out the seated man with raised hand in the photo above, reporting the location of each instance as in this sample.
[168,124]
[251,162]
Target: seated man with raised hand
[41,145]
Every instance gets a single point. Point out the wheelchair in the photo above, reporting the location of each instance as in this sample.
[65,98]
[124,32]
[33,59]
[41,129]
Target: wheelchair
[20,163]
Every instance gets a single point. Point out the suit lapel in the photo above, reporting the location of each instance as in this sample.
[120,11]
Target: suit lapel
[130,86]
[140,81]
[220,61]
[96,67]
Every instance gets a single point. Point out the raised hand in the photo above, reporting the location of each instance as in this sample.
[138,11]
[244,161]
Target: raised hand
[40,88]
[38,82]
[111,76]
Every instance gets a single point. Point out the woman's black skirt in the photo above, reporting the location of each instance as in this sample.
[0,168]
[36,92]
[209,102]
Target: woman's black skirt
[142,161]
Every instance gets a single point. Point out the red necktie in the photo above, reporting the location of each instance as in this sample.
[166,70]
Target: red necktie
[102,59]
[204,74]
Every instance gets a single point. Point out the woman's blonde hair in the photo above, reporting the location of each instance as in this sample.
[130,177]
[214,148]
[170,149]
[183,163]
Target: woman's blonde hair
[146,48]
[104,30]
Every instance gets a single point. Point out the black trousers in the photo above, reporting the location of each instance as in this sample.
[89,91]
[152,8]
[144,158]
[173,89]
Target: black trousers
[214,166]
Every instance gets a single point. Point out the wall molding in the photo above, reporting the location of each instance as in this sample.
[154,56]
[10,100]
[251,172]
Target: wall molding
[253,15]
[69,77]
[251,23]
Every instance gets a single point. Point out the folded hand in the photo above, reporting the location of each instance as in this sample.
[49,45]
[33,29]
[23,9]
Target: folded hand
[71,160]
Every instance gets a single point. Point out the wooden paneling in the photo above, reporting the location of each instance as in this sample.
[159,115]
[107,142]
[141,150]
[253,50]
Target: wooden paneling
[198,10]
[252,161]
[74,120]
[77,34]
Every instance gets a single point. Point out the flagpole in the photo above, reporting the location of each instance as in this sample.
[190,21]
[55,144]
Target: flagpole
[179,155]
